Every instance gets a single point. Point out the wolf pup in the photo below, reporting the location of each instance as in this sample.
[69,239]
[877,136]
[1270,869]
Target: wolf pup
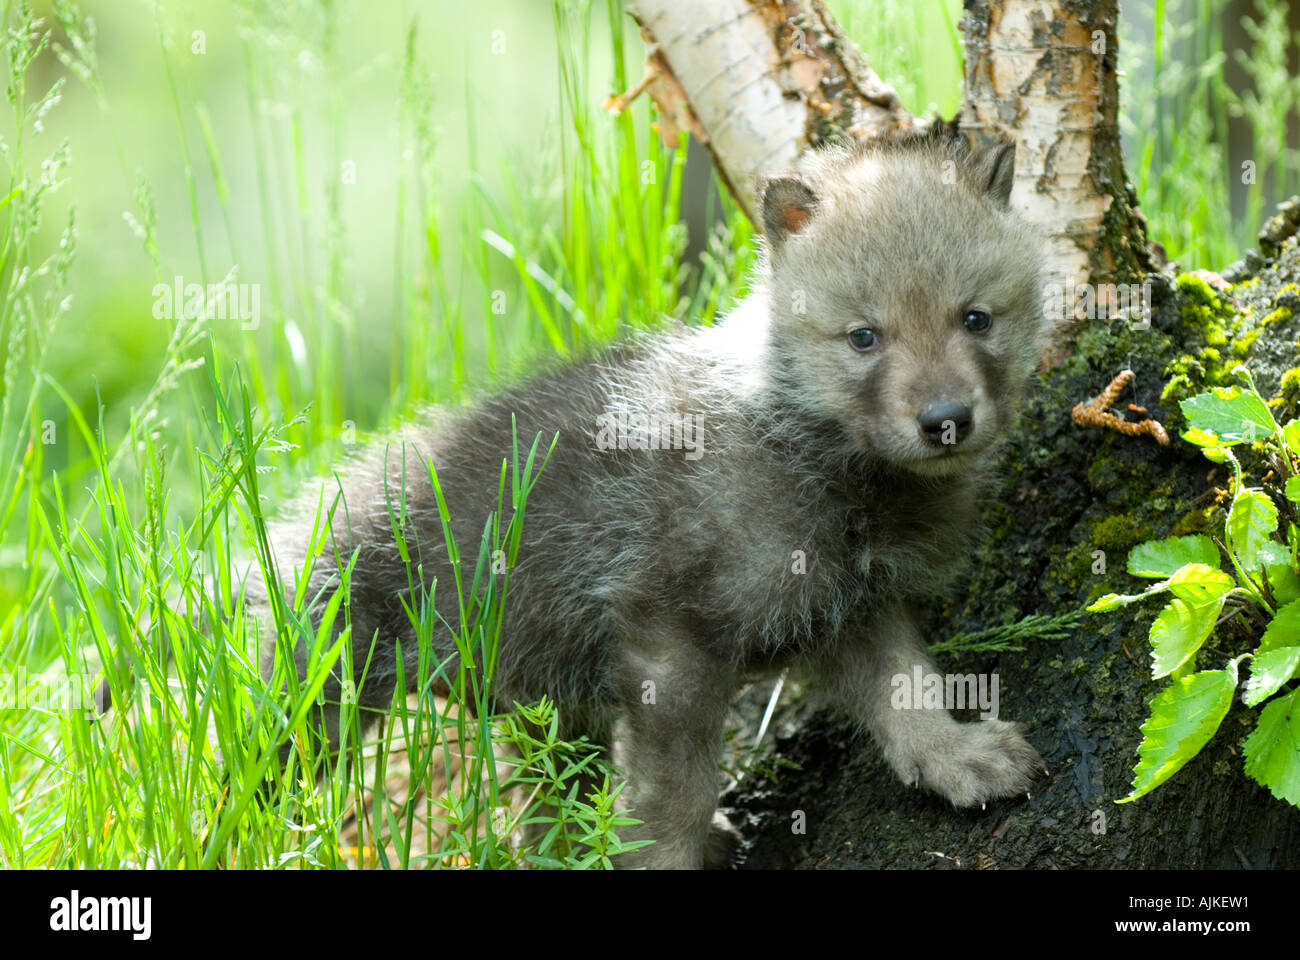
[778,491]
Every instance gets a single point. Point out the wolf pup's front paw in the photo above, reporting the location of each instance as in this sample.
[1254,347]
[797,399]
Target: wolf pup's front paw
[972,763]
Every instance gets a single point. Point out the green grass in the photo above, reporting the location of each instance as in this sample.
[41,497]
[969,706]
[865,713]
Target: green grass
[1176,110]
[130,556]
[416,237]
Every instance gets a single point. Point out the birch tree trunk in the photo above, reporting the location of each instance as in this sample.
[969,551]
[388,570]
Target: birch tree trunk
[760,81]
[1044,74]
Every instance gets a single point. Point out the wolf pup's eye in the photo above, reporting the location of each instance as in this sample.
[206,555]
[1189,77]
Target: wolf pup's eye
[977,321]
[862,339]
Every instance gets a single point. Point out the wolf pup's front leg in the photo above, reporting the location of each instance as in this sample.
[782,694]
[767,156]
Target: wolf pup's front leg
[969,763]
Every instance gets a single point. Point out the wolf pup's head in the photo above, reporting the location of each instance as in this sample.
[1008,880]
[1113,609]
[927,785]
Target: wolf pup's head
[905,297]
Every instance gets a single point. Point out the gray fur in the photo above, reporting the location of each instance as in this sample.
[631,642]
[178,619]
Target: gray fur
[651,565]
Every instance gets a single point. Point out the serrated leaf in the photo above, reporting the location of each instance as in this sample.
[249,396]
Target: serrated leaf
[1291,434]
[1164,558]
[1273,749]
[1282,580]
[1195,583]
[1179,631]
[1293,489]
[1283,630]
[1268,671]
[1199,583]
[1184,716]
[1232,415]
[1251,524]
[1284,583]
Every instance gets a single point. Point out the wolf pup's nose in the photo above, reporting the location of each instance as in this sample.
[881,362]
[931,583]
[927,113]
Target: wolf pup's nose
[945,423]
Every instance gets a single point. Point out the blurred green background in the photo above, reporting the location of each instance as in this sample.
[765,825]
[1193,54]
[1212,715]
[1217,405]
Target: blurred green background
[346,157]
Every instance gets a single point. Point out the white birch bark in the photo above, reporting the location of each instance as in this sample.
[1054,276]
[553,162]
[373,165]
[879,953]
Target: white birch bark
[760,81]
[1044,74]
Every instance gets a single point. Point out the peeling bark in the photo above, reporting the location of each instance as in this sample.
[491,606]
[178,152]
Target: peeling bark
[1044,74]
[760,81]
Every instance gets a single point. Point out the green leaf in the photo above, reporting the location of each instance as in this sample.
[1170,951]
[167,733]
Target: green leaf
[1199,583]
[1284,583]
[1293,489]
[1113,601]
[1274,552]
[1251,524]
[1282,580]
[1283,630]
[1196,583]
[1291,434]
[1268,671]
[1201,438]
[1230,414]
[1164,558]
[1184,716]
[1273,749]
[1212,448]
[1179,631]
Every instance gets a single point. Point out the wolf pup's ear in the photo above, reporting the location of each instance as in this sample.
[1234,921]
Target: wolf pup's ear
[788,206]
[995,170]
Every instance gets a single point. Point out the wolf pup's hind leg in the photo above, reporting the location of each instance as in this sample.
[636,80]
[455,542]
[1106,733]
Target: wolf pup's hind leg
[674,699]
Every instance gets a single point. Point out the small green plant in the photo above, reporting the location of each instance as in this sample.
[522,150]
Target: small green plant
[567,833]
[1008,636]
[1262,588]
